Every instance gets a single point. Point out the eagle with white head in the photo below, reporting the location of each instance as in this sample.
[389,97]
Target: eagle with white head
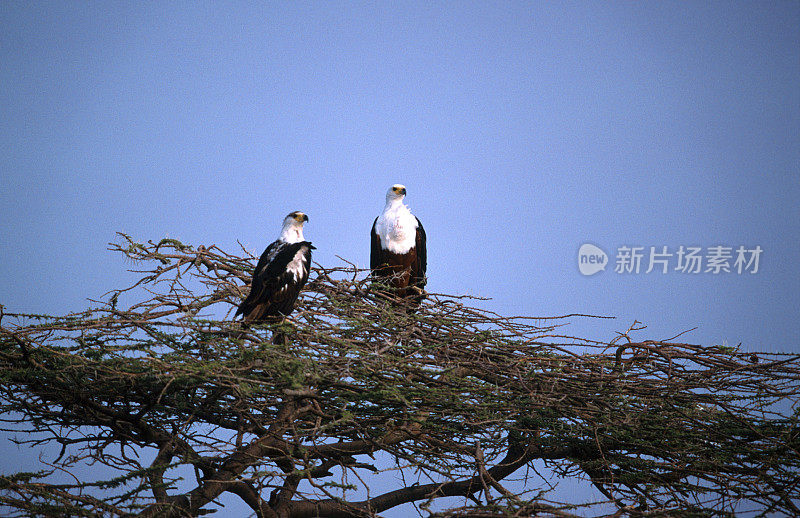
[398,252]
[280,274]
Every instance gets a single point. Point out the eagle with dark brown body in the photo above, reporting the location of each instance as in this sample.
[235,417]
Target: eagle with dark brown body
[281,273]
[398,252]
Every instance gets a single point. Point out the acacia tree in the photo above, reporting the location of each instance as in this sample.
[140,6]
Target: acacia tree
[182,405]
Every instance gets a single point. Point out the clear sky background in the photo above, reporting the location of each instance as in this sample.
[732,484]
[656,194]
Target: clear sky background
[521,130]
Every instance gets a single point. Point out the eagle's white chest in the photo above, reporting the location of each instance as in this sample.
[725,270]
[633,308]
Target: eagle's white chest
[397,229]
[297,266]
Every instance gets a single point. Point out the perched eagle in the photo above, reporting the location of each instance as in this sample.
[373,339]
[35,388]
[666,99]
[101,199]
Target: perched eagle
[398,250]
[281,273]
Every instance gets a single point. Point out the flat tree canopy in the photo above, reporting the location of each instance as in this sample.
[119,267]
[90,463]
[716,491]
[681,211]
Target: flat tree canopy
[180,405]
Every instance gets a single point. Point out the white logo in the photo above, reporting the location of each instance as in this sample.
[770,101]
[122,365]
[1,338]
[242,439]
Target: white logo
[690,260]
[591,259]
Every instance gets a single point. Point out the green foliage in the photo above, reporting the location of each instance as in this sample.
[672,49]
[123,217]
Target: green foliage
[458,398]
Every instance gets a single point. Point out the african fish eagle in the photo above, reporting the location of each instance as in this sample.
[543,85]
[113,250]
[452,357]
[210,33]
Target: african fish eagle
[398,250]
[281,273]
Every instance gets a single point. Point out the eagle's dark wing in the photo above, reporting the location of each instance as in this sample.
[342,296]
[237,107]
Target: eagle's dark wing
[267,257]
[420,264]
[281,273]
[256,285]
[375,251]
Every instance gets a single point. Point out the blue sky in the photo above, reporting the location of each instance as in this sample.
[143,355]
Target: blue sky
[521,130]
